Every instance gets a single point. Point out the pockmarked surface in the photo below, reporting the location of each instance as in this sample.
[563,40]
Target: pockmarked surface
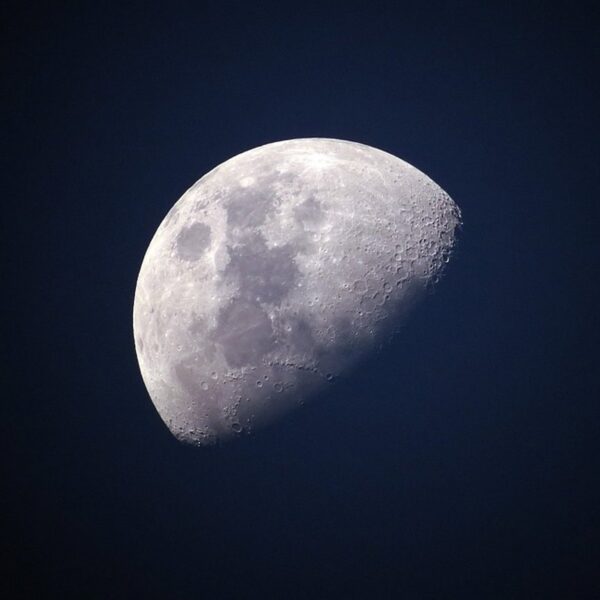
[275,272]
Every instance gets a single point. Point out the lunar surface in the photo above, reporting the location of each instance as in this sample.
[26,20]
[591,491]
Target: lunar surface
[274,273]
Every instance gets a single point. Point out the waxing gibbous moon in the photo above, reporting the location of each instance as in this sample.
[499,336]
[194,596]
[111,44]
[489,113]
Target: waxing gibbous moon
[275,272]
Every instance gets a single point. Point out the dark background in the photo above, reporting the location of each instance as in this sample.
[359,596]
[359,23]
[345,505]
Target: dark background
[461,463]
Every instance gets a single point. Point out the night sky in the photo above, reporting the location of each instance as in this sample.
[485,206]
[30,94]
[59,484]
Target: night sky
[462,462]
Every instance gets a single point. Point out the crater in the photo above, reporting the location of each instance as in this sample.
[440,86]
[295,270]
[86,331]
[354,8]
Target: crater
[192,241]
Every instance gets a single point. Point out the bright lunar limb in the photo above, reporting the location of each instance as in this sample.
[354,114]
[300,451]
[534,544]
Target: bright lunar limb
[275,272]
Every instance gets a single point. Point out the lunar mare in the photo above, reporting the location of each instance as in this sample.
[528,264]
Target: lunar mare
[275,272]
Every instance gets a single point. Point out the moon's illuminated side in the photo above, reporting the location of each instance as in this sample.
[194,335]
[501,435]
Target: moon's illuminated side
[275,272]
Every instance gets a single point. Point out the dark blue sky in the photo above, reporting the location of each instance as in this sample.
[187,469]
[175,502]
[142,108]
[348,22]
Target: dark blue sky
[461,463]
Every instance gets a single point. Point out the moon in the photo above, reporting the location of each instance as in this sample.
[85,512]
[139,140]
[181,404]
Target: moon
[275,273]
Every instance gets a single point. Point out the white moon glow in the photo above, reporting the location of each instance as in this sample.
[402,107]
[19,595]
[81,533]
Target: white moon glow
[275,272]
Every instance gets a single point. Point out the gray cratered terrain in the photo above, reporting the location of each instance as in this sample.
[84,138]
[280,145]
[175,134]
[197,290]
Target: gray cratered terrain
[275,272]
